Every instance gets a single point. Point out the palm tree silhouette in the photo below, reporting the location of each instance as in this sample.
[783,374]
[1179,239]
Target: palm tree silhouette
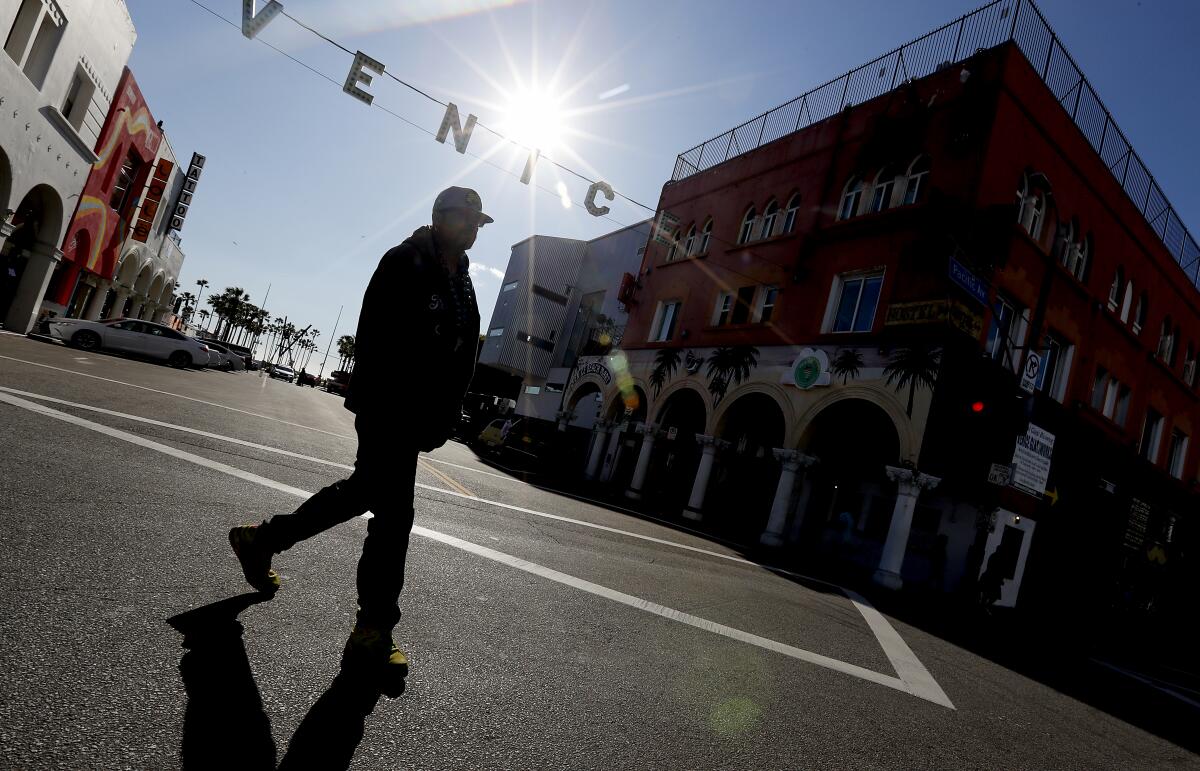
[846,364]
[730,363]
[666,361]
[913,367]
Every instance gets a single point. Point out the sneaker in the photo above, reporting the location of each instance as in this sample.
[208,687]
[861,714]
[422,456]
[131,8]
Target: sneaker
[255,559]
[368,647]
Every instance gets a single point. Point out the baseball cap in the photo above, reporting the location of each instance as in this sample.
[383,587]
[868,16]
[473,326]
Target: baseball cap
[461,198]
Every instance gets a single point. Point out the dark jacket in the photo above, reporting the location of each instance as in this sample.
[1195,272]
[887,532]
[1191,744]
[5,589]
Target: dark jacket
[414,353]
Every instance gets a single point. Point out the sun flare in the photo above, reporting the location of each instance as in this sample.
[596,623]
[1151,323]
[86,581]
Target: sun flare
[535,119]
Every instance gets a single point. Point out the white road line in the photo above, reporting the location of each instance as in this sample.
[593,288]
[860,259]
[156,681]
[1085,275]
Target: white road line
[923,687]
[177,396]
[1148,681]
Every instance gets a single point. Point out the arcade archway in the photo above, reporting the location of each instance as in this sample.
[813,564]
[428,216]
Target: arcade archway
[743,489]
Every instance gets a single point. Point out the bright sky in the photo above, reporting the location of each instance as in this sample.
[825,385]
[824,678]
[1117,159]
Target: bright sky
[306,187]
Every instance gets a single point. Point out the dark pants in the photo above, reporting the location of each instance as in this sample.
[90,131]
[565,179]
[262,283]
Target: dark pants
[384,474]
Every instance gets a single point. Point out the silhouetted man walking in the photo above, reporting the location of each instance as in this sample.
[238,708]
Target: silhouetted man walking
[414,356]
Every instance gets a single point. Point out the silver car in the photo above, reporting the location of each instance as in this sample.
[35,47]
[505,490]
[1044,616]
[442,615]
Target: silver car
[223,358]
[141,338]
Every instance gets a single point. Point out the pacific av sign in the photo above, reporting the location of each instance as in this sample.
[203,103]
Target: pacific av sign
[253,22]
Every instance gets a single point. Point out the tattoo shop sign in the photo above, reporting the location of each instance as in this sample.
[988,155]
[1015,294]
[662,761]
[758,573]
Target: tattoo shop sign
[254,22]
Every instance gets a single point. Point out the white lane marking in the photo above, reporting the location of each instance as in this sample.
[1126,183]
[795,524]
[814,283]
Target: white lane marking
[475,470]
[1148,681]
[924,688]
[177,396]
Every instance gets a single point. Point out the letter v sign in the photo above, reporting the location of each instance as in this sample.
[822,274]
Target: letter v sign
[252,23]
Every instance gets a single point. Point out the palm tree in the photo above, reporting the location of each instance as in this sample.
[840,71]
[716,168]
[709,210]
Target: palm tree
[186,311]
[729,363]
[913,367]
[846,364]
[666,361]
[204,315]
[345,347]
[201,283]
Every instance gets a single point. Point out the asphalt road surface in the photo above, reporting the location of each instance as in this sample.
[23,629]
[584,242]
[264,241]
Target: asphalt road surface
[544,632]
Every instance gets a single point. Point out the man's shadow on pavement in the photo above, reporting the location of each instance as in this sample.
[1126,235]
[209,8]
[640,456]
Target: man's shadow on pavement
[225,726]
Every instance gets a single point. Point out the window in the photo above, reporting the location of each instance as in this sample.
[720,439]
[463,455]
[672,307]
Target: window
[747,226]
[856,300]
[914,187]
[1189,366]
[1098,386]
[45,44]
[1074,256]
[536,342]
[79,97]
[689,242]
[1031,209]
[768,221]
[673,251]
[789,216]
[554,388]
[851,199]
[1127,302]
[1139,316]
[1177,453]
[769,295]
[1166,341]
[705,235]
[533,390]
[741,307]
[724,308]
[123,186]
[1006,332]
[1116,288]
[496,332]
[881,193]
[1056,367]
[1123,394]
[665,317]
[511,285]
[1151,435]
[22,30]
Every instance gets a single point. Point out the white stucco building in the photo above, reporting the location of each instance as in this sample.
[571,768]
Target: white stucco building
[60,67]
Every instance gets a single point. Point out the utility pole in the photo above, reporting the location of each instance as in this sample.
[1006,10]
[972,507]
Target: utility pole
[254,344]
[331,337]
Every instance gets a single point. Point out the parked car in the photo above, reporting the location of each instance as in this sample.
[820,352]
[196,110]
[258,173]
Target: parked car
[225,358]
[493,436]
[306,379]
[338,382]
[141,338]
[283,372]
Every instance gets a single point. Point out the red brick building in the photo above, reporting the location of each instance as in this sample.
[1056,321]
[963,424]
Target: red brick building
[828,349]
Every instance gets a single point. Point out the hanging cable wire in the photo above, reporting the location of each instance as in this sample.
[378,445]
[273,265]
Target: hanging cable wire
[710,268]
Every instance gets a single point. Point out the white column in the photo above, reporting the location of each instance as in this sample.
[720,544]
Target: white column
[649,433]
[157,315]
[791,462]
[564,418]
[909,484]
[610,454]
[96,303]
[39,267]
[119,301]
[599,435]
[695,504]
[136,309]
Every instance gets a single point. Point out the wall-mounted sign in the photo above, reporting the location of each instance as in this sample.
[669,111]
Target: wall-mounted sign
[154,194]
[969,282]
[809,370]
[184,202]
[949,312]
[596,368]
[1139,522]
[1029,372]
[1031,461]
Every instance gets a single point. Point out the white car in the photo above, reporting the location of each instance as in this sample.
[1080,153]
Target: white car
[224,358]
[283,372]
[142,338]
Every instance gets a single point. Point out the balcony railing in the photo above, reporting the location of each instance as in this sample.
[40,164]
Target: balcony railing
[998,22]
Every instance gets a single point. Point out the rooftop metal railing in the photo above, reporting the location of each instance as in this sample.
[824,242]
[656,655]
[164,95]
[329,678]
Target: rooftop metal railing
[998,22]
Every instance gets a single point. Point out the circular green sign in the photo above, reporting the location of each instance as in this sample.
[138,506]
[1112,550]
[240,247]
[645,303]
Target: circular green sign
[807,371]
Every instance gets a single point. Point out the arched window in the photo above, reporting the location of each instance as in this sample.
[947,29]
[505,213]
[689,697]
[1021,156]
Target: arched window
[1189,366]
[1080,254]
[1031,208]
[673,250]
[882,190]
[747,226]
[1116,288]
[789,216]
[768,221]
[851,199]
[705,234]
[1139,316]
[914,186]
[1128,301]
[1174,348]
[1065,240]
[1165,340]
[689,242]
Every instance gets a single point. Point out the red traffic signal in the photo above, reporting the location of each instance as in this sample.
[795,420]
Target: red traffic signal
[978,407]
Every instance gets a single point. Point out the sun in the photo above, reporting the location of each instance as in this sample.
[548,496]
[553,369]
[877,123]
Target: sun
[535,119]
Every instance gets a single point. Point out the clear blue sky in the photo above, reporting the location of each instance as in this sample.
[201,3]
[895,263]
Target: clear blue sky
[306,187]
